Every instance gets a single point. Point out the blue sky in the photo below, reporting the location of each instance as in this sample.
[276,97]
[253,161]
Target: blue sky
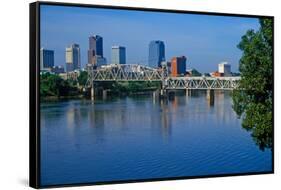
[205,40]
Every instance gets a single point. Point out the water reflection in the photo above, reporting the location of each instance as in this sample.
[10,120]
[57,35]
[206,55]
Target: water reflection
[163,112]
[164,118]
[139,136]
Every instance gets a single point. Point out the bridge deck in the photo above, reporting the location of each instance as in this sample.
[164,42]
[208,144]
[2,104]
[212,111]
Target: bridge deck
[144,73]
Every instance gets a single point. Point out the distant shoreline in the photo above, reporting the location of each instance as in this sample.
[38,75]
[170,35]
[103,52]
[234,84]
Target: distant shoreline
[82,96]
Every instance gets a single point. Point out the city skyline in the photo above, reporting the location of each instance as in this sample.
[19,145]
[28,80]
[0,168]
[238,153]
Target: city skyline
[204,40]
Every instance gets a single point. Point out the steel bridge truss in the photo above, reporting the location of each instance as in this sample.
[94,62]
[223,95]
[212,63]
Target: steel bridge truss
[134,72]
[225,83]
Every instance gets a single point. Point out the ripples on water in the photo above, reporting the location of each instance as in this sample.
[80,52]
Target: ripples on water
[141,138]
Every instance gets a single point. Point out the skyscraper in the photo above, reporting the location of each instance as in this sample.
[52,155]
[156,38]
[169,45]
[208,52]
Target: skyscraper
[95,49]
[156,53]
[178,66]
[46,58]
[118,55]
[72,57]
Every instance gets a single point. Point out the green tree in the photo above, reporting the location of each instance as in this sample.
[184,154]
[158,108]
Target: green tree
[49,85]
[195,73]
[54,85]
[253,100]
[82,78]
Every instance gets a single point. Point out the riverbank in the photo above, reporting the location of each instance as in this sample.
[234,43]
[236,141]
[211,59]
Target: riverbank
[99,95]
[53,87]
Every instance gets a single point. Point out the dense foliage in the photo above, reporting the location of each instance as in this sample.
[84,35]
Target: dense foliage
[82,78]
[54,85]
[253,100]
[195,73]
[133,87]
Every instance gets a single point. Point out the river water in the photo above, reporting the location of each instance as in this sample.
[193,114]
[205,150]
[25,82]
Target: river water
[142,138]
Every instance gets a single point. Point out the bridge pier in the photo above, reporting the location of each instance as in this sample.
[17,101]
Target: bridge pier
[104,94]
[188,92]
[210,96]
[156,94]
[160,94]
[163,92]
[92,92]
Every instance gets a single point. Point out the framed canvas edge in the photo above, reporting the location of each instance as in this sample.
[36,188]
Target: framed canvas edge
[34,92]
[34,112]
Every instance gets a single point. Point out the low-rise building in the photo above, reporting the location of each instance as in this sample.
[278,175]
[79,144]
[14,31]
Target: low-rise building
[57,69]
[216,74]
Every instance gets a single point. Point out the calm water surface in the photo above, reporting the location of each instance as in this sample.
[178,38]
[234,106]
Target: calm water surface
[140,138]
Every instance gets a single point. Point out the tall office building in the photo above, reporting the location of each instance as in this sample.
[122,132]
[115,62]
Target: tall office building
[118,55]
[178,66]
[156,53]
[47,59]
[224,69]
[72,57]
[95,51]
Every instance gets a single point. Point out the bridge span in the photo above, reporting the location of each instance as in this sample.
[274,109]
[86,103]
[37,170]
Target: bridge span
[135,72]
[216,83]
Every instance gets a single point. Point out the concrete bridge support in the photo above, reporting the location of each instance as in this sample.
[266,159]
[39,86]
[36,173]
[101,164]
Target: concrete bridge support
[188,92]
[160,94]
[104,94]
[210,97]
[163,93]
[156,94]
[92,93]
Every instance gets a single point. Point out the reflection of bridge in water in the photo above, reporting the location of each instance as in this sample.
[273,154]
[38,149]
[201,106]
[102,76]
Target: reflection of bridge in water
[135,72]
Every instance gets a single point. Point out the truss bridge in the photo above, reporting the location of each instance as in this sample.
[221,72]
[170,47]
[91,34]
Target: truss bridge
[135,72]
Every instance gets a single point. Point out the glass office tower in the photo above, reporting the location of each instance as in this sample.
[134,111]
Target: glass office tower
[156,53]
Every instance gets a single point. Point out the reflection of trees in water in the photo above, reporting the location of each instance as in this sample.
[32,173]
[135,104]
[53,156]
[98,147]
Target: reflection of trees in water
[129,113]
[50,112]
[196,104]
[158,115]
[160,119]
[96,118]
[165,118]
[222,100]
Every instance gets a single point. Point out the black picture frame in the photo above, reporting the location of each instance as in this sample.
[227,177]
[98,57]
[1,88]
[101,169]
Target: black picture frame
[34,84]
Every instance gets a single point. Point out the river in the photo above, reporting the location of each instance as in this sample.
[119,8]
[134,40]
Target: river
[139,137]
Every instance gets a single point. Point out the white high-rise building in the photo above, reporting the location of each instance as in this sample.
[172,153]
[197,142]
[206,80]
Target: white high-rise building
[72,58]
[224,69]
[118,55]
